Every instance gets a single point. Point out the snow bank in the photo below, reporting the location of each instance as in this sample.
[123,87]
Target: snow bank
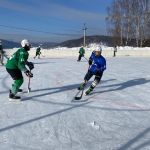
[73,52]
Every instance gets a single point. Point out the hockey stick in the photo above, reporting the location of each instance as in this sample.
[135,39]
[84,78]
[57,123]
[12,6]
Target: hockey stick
[77,97]
[86,58]
[80,91]
[29,89]
[79,94]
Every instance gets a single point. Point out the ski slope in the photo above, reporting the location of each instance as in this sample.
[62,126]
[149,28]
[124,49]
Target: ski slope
[115,117]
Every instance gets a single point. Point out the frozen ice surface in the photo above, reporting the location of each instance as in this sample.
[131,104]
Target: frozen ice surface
[115,117]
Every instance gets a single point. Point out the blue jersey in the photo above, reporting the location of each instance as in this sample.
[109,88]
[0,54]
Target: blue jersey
[98,63]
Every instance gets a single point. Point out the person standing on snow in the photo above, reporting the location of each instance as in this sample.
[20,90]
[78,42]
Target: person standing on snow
[38,52]
[16,64]
[1,53]
[81,53]
[97,65]
[115,51]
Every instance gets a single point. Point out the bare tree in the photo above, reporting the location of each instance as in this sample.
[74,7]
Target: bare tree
[129,19]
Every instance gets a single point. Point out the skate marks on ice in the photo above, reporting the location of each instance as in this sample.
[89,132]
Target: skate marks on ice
[109,119]
[4,85]
[94,125]
[134,143]
[129,83]
[123,86]
[120,99]
[42,116]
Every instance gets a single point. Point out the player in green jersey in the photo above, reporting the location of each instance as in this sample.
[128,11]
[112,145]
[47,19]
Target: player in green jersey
[38,52]
[16,64]
[81,53]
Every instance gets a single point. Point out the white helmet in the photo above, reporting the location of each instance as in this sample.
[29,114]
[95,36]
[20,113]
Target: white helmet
[25,42]
[98,48]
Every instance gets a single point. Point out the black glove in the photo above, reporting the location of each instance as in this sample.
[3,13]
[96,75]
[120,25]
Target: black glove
[28,73]
[30,65]
[90,62]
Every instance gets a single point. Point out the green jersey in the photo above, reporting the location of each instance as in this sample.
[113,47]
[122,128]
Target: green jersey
[82,51]
[18,60]
[38,51]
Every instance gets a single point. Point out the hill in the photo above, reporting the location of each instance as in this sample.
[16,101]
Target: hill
[9,44]
[106,40]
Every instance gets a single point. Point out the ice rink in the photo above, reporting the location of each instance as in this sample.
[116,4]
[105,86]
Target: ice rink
[116,116]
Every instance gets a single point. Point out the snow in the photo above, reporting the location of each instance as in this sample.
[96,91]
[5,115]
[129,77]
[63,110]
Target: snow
[114,117]
[73,52]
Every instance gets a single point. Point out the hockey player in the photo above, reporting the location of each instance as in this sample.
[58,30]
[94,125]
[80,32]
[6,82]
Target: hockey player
[38,52]
[1,53]
[115,51]
[81,53]
[16,64]
[97,64]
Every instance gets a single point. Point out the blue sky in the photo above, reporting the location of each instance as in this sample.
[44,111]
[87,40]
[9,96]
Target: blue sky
[51,20]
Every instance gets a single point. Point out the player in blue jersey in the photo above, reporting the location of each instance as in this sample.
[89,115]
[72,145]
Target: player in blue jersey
[97,65]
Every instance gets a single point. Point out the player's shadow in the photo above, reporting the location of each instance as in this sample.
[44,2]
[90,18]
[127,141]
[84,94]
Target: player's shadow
[13,126]
[135,140]
[109,80]
[124,85]
[55,58]
[52,90]
[36,63]
[59,89]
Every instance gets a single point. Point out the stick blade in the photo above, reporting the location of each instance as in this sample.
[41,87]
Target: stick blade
[29,90]
[79,95]
[77,98]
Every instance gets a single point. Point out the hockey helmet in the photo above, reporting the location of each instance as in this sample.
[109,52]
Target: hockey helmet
[25,42]
[98,48]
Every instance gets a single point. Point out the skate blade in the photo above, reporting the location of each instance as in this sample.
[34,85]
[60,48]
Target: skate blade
[85,94]
[14,100]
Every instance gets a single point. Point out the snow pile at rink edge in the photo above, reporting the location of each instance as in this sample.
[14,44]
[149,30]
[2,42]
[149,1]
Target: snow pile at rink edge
[74,52]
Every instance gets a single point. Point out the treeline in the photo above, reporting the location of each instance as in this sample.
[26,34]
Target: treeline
[128,21]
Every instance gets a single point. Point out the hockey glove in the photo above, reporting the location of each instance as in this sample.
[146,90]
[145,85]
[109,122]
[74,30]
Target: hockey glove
[30,65]
[90,62]
[28,73]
